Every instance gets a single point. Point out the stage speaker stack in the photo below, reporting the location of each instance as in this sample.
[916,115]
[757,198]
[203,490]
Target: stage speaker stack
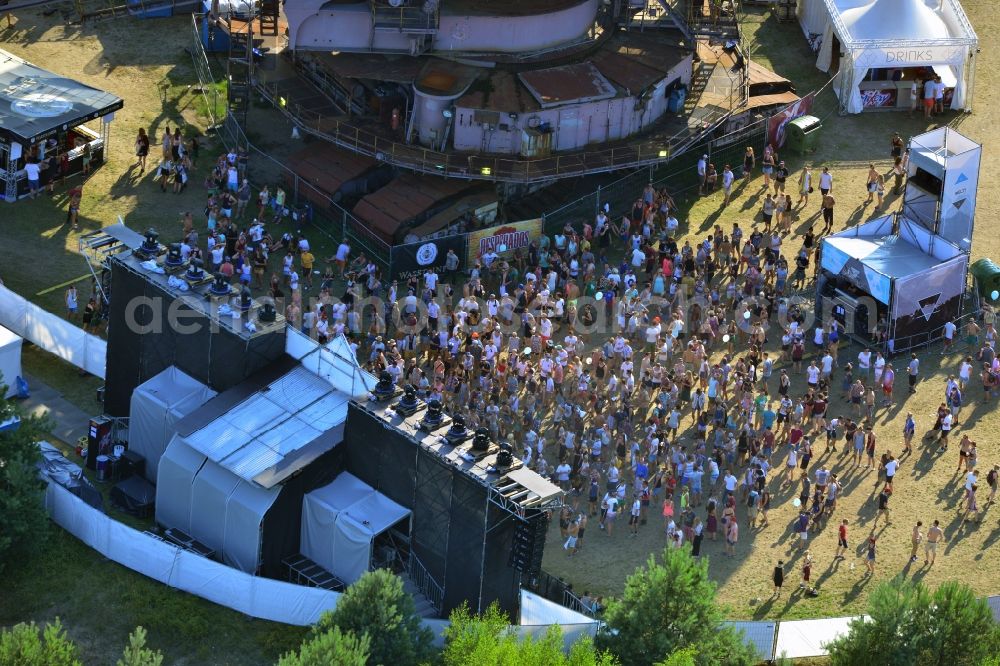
[457,433]
[98,439]
[433,417]
[409,403]
[385,388]
[481,440]
[529,545]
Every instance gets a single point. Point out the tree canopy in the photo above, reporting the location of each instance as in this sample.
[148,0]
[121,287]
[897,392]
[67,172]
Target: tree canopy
[489,641]
[376,603]
[28,645]
[23,521]
[949,626]
[332,646]
[670,606]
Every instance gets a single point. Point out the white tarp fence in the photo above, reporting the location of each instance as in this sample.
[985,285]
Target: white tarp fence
[10,359]
[157,405]
[262,598]
[52,333]
[798,639]
[339,522]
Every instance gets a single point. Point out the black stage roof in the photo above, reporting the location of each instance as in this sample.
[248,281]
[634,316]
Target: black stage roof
[35,103]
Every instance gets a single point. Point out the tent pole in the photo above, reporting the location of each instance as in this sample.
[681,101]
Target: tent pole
[482,561]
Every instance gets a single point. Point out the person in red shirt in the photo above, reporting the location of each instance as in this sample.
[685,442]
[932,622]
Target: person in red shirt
[841,540]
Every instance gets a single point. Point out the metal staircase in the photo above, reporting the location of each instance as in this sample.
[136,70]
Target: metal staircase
[269,12]
[239,68]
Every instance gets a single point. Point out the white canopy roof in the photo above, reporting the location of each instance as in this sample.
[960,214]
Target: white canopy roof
[339,522]
[900,23]
[277,430]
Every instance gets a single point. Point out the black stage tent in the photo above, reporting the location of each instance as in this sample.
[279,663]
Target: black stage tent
[35,103]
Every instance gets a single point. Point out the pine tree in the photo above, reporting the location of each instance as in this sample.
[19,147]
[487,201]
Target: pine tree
[376,603]
[670,606]
[137,654]
[26,645]
[907,624]
[330,647]
[23,521]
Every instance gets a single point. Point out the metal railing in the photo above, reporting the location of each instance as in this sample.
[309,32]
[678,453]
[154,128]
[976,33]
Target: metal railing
[329,218]
[342,132]
[422,579]
[404,18]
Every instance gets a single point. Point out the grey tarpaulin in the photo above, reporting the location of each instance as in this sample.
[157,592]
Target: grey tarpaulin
[58,468]
[157,404]
[339,522]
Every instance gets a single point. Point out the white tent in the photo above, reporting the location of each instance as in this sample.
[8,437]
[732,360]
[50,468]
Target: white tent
[896,33]
[10,359]
[157,404]
[340,521]
[219,509]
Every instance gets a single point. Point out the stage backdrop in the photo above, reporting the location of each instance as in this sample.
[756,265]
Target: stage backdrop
[511,236]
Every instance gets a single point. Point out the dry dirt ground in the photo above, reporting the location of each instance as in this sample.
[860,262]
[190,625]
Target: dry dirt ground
[145,63]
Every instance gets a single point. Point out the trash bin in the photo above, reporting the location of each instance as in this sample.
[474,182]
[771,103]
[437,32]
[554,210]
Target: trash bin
[987,276]
[675,102]
[802,134]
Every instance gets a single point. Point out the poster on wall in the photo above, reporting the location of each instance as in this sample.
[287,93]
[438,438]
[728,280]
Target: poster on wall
[776,123]
[924,302]
[503,239]
[413,259]
[879,99]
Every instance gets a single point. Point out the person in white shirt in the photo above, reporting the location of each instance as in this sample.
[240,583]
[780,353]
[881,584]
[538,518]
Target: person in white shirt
[949,336]
[826,182]
[638,258]
[702,173]
[879,366]
[938,95]
[812,375]
[431,280]
[727,183]
[826,366]
[864,363]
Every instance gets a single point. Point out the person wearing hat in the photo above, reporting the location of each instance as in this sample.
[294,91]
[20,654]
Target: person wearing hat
[780,175]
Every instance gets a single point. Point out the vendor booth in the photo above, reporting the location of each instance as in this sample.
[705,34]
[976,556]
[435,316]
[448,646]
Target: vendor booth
[879,48]
[894,271]
[42,117]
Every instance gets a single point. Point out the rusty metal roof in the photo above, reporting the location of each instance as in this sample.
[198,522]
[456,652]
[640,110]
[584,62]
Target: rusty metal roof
[403,199]
[499,91]
[629,74]
[579,82]
[445,78]
[328,167]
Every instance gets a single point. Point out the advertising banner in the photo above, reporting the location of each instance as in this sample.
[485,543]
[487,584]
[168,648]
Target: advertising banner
[503,239]
[405,261]
[776,123]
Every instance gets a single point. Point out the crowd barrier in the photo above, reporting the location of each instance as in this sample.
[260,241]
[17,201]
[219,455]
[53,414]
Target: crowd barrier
[52,333]
[262,598]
